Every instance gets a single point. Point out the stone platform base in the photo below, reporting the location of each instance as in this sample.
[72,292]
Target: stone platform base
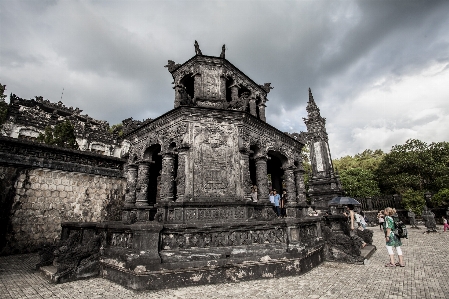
[367,252]
[140,279]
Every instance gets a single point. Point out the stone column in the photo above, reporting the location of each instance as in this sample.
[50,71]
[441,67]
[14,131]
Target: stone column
[223,89]
[197,89]
[262,112]
[142,183]
[181,174]
[300,187]
[246,176]
[167,177]
[261,177]
[177,95]
[234,93]
[290,184]
[252,107]
[131,182]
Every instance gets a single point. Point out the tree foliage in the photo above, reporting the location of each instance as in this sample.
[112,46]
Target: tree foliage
[413,200]
[359,182]
[441,198]
[117,128]
[357,174]
[62,135]
[368,160]
[415,165]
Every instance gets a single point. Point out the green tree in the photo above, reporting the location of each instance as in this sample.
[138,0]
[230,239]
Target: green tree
[117,128]
[368,160]
[3,106]
[62,135]
[359,182]
[441,198]
[413,200]
[357,174]
[414,165]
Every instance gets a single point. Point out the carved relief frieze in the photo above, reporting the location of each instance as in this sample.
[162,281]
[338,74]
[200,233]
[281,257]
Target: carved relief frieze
[123,240]
[176,241]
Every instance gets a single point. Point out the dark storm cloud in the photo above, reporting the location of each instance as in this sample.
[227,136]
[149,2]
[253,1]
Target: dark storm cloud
[109,56]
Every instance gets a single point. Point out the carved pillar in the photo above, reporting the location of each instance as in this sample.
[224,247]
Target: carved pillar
[167,177]
[246,175]
[290,185]
[177,95]
[131,182]
[261,177]
[142,183]
[223,89]
[197,90]
[300,187]
[181,173]
[262,112]
[252,107]
[234,93]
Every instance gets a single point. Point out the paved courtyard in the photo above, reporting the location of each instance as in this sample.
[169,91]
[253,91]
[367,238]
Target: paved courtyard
[425,276]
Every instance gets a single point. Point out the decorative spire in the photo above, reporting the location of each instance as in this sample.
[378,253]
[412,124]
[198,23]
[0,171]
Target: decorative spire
[197,48]
[312,108]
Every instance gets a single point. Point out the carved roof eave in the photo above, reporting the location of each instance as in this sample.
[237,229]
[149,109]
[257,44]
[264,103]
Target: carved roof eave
[184,110]
[252,120]
[226,63]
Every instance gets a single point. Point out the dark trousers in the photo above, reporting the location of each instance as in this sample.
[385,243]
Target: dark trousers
[277,210]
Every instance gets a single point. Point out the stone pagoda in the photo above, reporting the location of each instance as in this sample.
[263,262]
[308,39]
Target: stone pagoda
[323,183]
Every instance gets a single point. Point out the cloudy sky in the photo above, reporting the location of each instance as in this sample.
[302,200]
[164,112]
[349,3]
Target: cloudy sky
[378,70]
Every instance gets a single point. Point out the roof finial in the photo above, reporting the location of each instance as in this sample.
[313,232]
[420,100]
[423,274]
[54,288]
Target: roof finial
[223,49]
[310,95]
[197,48]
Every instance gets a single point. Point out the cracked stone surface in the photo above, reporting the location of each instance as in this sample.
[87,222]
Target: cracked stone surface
[424,276]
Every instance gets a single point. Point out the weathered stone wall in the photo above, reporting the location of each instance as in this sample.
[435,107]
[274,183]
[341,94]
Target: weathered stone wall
[45,198]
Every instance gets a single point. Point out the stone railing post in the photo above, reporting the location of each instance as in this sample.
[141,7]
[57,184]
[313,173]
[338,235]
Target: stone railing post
[131,182]
[300,186]
[142,183]
[261,177]
[167,177]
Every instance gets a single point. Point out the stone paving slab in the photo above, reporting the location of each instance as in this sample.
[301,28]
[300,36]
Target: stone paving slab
[425,276]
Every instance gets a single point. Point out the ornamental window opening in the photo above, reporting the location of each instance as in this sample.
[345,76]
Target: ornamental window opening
[189,85]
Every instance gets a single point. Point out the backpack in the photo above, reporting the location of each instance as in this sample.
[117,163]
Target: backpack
[400,230]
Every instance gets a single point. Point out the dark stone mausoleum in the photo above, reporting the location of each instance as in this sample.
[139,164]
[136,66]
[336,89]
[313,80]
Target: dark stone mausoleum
[188,216]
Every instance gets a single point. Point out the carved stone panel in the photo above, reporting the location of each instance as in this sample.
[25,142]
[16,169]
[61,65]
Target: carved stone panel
[211,82]
[215,160]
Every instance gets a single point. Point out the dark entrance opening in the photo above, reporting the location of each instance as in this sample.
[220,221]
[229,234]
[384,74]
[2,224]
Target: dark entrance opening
[152,153]
[275,171]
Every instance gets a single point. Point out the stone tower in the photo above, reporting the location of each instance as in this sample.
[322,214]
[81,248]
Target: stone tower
[324,183]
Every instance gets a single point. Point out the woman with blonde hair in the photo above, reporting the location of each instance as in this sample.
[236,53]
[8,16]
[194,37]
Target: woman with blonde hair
[391,239]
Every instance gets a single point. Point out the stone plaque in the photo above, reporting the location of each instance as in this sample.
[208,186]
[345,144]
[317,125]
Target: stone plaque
[319,158]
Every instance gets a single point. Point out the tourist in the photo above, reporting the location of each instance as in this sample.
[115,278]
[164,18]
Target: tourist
[380,217]
[282,204]
[353,225]
[445,225]
[254,193]
[391,240]
[362,220]
[271,196]
[277,199]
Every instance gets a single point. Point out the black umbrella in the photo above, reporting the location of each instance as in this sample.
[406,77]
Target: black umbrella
[344,201]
